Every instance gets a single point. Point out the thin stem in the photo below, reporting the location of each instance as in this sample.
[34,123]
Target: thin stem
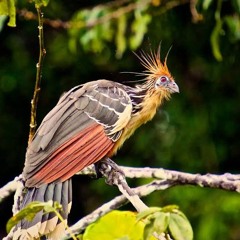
[42,53]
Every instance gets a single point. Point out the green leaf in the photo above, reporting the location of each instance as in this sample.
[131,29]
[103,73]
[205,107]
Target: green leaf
[147,212]
[180,227]
[121,42]
[41,3]
[158,224]
[233,24]
[170,208]
[115,225]
[30,211]
[215,40]
[88,32]
[7,8]
[206,4]
[139,28]
[161,222]
[149,229]
[2,21]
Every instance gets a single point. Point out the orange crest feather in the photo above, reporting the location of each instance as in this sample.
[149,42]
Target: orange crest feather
[154,67]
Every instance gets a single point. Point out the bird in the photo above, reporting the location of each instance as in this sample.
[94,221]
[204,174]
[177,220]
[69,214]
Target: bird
[89,123]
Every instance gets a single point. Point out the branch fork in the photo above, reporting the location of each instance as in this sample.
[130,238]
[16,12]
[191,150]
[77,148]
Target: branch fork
[115,176]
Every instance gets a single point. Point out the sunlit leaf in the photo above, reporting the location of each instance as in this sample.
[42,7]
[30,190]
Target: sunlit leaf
[170,208]
[161,222]
[147,212]
[115,225]
[30,211]
[7,8]
[41,3]
[157,224]
[206,4]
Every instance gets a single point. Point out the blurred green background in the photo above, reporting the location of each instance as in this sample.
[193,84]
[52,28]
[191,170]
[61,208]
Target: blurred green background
[197,131]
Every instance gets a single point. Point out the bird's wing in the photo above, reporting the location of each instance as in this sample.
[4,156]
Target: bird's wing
[80,130]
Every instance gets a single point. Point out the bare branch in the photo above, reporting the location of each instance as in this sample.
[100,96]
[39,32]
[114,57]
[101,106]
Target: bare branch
[164,179]
[196,17]
[226,181]
[9,188]
[42,53]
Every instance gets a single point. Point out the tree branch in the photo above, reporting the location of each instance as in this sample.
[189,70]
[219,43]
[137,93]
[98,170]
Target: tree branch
[9,188]
[164,179]
[42,53]
[118,8]
[226,181]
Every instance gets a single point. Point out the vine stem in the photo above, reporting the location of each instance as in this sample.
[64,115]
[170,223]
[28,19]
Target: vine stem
[39,65]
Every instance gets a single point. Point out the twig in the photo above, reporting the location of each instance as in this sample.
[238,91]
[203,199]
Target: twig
[42,53]
[9,188]
[118,13]
[196,17]
[119,10]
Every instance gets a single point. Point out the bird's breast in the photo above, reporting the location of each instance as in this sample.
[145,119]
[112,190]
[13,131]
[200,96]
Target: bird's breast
[146,113]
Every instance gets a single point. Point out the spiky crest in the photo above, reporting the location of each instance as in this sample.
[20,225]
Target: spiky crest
[152,62]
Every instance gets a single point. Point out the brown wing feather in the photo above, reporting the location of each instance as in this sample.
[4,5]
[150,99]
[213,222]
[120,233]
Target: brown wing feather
[80,130]
[84,149]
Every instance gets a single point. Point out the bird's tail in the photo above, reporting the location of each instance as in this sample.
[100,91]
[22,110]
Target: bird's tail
[45,224]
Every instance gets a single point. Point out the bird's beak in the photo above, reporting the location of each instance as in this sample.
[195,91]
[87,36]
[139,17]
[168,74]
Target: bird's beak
[173,87]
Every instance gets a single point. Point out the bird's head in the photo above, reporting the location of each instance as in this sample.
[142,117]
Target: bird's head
[158,79]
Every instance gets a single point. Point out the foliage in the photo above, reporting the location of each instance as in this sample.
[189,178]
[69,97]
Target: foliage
[123,226]
[30,211]
[94,28]
[166,220]
[7,8]
[146,225]
[197,131]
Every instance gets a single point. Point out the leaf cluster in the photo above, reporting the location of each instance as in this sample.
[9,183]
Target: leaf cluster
[148,225]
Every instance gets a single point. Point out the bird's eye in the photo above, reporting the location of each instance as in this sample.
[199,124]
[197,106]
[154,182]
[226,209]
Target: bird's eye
[163,79]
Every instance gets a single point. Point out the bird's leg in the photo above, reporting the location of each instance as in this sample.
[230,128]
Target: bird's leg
[115,176]
[109,169]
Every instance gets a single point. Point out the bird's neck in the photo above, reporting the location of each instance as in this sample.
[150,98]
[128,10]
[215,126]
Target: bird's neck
[146,109]
[145,106]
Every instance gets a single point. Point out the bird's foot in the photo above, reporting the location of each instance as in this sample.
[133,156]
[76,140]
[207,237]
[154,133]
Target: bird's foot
[110,170]
[115,176]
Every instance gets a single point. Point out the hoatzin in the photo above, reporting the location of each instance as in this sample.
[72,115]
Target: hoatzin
[89,123]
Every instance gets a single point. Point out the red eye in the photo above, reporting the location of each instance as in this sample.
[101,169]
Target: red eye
[163,79]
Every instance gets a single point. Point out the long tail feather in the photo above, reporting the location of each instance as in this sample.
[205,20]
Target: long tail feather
[46,224]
